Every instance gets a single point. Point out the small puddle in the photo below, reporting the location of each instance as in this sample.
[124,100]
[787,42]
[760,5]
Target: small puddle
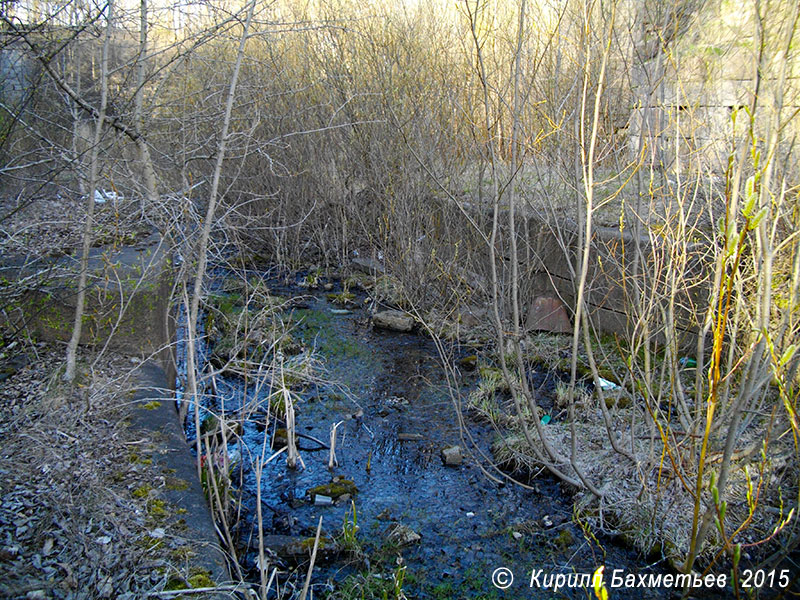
[396,416]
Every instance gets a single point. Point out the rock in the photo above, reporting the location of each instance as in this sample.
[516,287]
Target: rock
[333,490]
[409,437]
[393,319]
[297,549]
[451,456]
[548,314]
[516,535]
[471,316]
[468,363]
[402,535]
[369,266]
[396,401]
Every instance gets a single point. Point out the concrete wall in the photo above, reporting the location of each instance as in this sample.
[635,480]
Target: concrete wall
[614,303]
[126,300]
[684,98]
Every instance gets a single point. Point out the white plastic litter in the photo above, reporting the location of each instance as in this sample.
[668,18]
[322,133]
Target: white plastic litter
[607,385]
[101,196]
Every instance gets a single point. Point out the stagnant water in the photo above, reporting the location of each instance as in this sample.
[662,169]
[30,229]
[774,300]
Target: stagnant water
[469,525]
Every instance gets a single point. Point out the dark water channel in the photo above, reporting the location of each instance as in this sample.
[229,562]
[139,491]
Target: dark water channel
[397,416]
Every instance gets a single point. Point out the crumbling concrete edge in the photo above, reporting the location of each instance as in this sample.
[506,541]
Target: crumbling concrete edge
[153,410]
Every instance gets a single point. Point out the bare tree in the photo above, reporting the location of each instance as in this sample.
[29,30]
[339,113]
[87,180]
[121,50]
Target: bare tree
[72,348]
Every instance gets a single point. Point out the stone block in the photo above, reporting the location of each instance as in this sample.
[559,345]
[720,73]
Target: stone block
[548,314]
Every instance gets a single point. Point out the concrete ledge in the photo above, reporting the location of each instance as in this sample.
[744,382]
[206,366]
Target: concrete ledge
[160,420]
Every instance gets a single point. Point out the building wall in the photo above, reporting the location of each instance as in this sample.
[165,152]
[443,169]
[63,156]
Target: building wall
[689,89]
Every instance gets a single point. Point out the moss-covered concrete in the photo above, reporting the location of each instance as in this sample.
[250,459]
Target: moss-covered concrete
[127,298]
[127,308]
[181,490]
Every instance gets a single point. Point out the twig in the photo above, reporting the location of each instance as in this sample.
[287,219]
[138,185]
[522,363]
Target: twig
[312,439]
[332,462]
[220,588]
[311,565]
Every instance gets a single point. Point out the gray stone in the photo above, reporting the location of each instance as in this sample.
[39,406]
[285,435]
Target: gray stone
[368,265]
[393,319]
[402,535]
[452,456]
[296,549]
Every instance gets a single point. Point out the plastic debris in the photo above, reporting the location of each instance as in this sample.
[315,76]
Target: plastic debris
[687,363]
[545,419]
[340,311]
[101,196]
[607,385]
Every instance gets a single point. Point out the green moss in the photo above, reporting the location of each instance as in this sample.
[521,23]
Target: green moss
[334,489]
[315,328]
[209,424]
[157,508]
[342,298]
[142,492]
[618,400]
[176,484]
[150,543]
[201,579]
[308,544]
[225,303]
[152,405]
[175,583]
[182,553]
[443,591]
[468,363]
[564,539]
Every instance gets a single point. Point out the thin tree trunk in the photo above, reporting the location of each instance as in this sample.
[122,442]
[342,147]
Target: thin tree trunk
[205,234]
[72,347]
[148,172]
